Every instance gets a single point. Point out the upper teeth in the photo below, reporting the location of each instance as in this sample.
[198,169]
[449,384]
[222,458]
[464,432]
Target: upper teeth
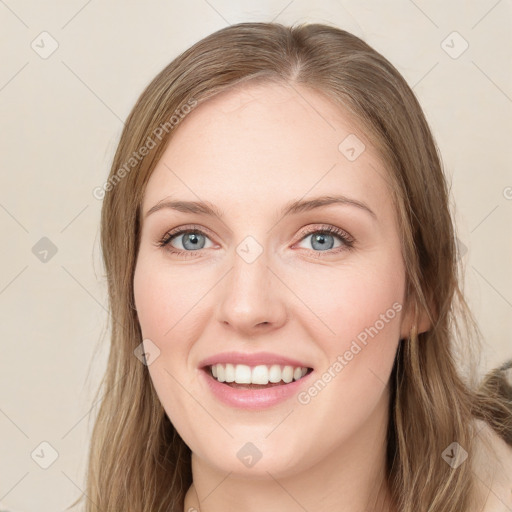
[262,374]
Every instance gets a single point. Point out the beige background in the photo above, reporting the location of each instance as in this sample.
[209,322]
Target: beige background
[61,119]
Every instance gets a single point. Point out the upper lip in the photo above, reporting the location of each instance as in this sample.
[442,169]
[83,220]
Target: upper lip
[254,359]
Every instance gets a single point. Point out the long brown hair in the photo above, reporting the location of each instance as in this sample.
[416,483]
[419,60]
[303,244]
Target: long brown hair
[137,460]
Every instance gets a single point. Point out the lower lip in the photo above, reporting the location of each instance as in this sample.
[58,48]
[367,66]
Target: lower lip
[253,398]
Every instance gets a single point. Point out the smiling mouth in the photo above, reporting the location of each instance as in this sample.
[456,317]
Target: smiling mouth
[256,377]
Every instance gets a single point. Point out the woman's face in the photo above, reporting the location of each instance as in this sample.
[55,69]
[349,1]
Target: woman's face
[265,277]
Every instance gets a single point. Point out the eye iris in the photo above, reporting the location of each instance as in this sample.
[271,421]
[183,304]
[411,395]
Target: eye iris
[320,238]
[192,238]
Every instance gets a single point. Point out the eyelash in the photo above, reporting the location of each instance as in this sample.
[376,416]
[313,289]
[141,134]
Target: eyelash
[348,241]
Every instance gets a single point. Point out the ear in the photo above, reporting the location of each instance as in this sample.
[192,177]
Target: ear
[414,315]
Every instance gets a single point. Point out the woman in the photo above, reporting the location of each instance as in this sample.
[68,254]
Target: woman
[285,307]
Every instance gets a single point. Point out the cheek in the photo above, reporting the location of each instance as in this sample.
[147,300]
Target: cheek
[165,311]
[164,298]
[172,313]
[347,299]
[357,326]
[153,307]
[356,322]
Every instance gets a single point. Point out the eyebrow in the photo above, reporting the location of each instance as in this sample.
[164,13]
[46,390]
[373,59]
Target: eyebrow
[293,207]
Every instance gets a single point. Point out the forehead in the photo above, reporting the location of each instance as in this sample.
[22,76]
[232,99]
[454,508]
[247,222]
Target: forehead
[261,145]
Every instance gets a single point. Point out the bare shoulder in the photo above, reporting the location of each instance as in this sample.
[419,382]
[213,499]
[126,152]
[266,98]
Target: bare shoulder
[492,466]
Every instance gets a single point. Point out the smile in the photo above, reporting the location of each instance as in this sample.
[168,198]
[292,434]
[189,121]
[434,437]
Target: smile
[255,376]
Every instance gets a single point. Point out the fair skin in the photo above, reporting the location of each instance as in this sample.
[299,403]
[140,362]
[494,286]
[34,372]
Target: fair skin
[250,151]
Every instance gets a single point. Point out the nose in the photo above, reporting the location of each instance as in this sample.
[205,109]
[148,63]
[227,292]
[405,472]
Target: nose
[252,298]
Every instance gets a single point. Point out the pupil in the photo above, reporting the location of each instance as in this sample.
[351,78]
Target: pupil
[192,241]
[321,240]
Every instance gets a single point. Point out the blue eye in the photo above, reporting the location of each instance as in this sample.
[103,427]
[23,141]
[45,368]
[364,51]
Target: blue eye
[191,240]
[194,239]
[323,239]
